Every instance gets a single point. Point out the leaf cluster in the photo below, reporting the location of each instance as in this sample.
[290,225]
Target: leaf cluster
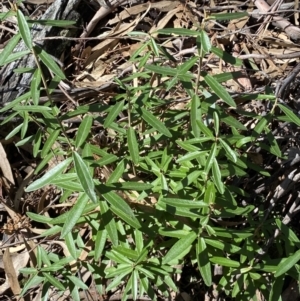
[170,192]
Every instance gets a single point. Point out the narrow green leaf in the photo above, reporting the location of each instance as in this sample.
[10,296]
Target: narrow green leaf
[211,158]
[134,284]
[117,202]
[228,16]
[186,66]
[203,262]
[155,123]
[210,193]
[15,56]
[14,131]
[25,124]
[114,112]
[12,104]
[276,289]
[55,282]
[49,62]
[287,263]
[32,282]
[55,23]
[84,177]
[184,203]
[227,58]
[38,109]
[180,248]
[51,174]
[191,156]
[219,90]
[109,223]
[146,272]
[112,272]
[217,176]
[133,145]
[139,240]
[74,214]
[68,238]
[52,138]
[216,123]
[205,130]
[132,221]
[117,172]
[195,114]
[38,217]
[8,49]
[181,211]
[229,151]
[35,86]
[261,125]
[137,186]
[178,31]
[225,262]
[77,282]
[24,29]
[100,243]
[205,41]
[83,131]
[290,114]
[166,71]
[117,280]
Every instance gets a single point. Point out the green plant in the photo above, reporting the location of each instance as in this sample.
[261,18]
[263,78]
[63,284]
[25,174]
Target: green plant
[170,188]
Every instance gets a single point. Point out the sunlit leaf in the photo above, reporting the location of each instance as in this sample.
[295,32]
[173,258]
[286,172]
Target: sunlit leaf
[219,90]
[74,214]
[84,177]
[113,113]
[84,130]
[203,262]
[51,174]
[155,123]
[24,29]
[180,248]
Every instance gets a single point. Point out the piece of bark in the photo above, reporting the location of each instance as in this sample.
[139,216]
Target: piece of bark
[14,84]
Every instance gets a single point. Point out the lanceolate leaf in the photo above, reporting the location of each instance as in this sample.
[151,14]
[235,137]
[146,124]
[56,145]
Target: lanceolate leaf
[35,86]
[287,264]
[225,262]
[180,248]
[114,112]
[84,177]
[184,203]
[49,62]
[51,139]
[203,261]
[229,151]
[8,49]
[109,222]
[74,214]
[154,122]
[133,145]
[205,41]
[51,174]
[217,176]
[123,208]
[83,130]
[290,114]
[219,90]
[24,29]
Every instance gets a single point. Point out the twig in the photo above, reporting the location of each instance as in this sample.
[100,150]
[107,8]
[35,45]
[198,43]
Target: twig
[283,88]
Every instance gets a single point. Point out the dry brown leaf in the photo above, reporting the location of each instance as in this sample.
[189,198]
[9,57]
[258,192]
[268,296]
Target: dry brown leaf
[5,165]
[165,20]
[12,263]
[163,6]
